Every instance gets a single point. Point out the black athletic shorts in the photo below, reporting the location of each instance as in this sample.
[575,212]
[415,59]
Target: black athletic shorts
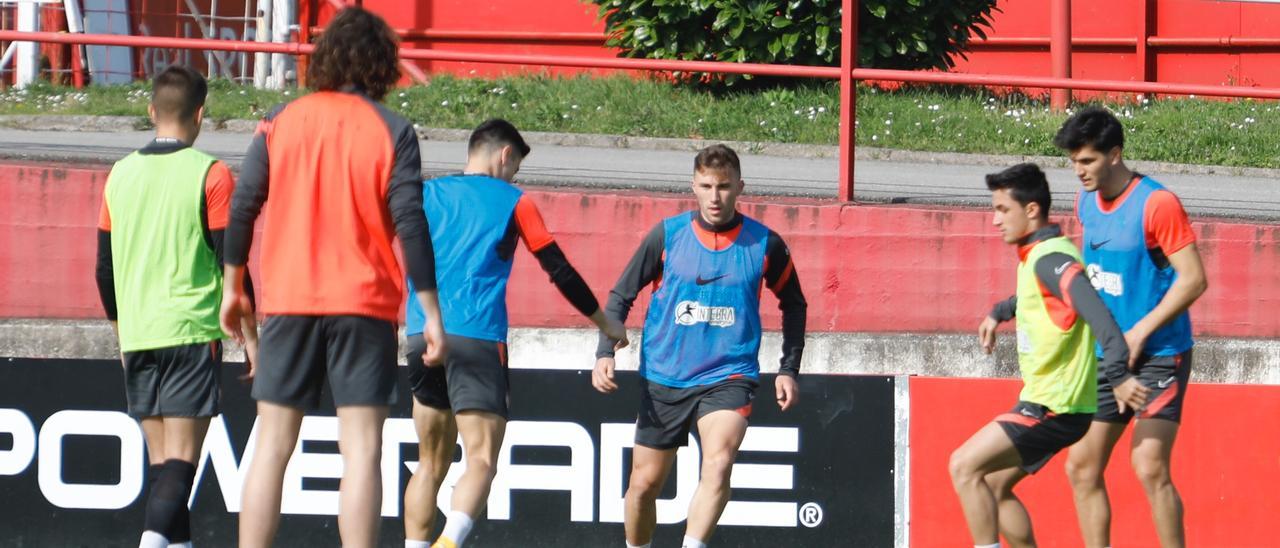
[473,378]
[296,353]
[178,381]
[1166,376]
[1038,433]
[667,414]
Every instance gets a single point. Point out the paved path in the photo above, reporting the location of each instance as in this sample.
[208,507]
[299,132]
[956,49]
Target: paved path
[957,183]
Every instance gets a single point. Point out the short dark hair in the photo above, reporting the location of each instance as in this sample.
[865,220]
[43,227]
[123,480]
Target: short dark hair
[1094,126]
[497,132]
[1025,183]
[718,157]
[177,92]
[356,49]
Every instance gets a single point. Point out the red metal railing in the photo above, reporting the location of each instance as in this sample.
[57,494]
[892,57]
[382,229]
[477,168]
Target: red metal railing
[847,74]
[797,71]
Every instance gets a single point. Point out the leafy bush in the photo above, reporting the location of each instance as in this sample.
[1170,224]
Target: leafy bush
[899,34]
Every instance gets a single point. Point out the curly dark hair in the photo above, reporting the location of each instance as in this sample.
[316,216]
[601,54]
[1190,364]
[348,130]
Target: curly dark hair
[357,49]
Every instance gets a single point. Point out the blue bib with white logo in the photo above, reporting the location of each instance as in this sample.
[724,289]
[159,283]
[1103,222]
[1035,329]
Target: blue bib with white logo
[703,324]
[469,216]
[1130,278]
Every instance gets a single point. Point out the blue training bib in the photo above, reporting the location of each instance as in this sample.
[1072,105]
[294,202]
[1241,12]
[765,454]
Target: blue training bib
[469,215]
[1130,277]
[703,324]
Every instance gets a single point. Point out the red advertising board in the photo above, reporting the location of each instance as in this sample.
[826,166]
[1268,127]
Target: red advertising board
[1226,465]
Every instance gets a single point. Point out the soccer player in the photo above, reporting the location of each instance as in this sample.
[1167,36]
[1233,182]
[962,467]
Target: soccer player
[159,273]
[339,176]
[1141,256]
[478,217]
[1058,315]
[699,356]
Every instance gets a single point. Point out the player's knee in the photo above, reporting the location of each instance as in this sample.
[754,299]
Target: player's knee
[482,464]
[961,467]
[643,485]
[1002,488]
[1152,472]
[716,468]
[1082,473]
[431,470]
[273,455]
[368,458]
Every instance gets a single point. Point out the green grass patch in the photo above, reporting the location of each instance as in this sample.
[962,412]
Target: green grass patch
[945,119]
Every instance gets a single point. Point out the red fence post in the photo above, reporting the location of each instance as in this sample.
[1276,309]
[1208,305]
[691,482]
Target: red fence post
[848,95]
[1060,50]
[1146,28]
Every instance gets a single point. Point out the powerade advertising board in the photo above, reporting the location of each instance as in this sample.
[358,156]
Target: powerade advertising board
[72,465]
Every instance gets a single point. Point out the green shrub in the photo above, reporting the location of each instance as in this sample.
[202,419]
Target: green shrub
[899,34]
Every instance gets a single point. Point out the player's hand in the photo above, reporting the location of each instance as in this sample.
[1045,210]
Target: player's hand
[987,334]
[1131,394]
[788,391]
[434,354]
[235,308]
[250,355]
[433,333]
[602,376]
[1137,340]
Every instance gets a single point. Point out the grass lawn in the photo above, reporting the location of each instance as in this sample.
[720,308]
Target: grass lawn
[948,119]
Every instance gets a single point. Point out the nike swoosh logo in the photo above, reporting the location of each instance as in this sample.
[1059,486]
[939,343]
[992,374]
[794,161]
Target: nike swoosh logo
[1061,269]
[1165,383]
[704,281]
[1095,245]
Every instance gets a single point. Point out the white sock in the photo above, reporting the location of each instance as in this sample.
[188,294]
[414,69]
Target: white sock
[690,542]
[186,544]
[152,539]
[996,545]
[457,526]
[416,544]
[645,545]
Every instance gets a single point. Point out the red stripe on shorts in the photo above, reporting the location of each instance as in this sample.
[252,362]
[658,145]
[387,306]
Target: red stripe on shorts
[1017,418]
[1161,401]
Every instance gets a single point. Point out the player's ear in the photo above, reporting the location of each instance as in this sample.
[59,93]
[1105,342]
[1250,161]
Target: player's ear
[1114,155]
[1033,210]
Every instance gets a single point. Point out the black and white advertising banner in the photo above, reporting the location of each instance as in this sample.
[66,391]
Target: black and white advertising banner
[72,465]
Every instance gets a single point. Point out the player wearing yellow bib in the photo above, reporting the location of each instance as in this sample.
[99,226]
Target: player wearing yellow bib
[159,273]
[1058,317]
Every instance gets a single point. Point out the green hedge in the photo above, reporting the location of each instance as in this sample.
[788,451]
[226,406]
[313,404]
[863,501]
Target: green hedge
[899,34]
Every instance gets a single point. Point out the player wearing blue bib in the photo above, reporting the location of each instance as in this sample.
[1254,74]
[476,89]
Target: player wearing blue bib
[1140,254]
[478,217]
[699,355]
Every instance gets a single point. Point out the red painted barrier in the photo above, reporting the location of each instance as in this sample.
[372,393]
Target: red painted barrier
[863,268]
[1226,465]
